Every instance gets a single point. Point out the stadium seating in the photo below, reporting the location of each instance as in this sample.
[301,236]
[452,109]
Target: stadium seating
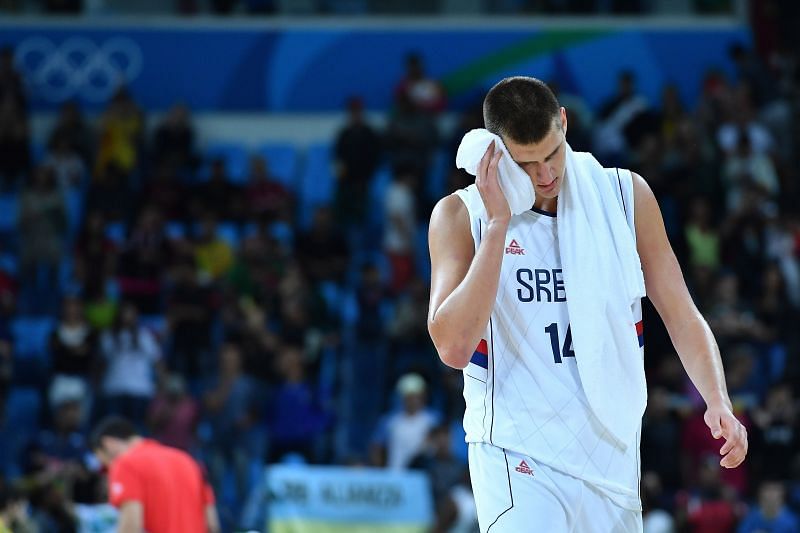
[32,336]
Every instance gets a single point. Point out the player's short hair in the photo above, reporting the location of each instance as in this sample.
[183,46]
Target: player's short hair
[112,426]
[521,109]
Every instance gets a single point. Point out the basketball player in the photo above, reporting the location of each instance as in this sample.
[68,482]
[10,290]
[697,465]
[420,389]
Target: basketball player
[539,459]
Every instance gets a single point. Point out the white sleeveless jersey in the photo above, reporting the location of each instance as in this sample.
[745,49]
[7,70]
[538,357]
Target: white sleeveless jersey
[522,388]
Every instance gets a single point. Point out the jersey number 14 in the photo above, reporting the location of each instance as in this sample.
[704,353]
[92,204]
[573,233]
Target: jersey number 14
[566,349]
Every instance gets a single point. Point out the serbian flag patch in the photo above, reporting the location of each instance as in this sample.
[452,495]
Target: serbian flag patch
[640,332]
[481,355]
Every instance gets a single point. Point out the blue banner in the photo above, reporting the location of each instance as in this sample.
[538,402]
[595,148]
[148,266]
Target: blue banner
[303,69]
[332,499]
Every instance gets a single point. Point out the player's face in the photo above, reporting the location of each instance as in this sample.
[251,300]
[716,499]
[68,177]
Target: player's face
[544,162]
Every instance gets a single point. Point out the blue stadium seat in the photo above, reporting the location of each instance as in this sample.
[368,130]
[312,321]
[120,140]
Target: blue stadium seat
[9,263]
[282,163]
[236,159]
[377,194]
[317,185]
[229,232]
[38,152]
[175,230]
[441,165]
[8,212]
[23,408]
[421,256]
[116,232]
[74,199]
[157,324]
[226,230]
[32,336]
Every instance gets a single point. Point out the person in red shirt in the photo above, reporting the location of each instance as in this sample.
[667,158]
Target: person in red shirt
[156,488]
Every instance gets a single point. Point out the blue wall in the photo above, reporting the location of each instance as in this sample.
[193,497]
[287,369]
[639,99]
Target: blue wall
[303,69]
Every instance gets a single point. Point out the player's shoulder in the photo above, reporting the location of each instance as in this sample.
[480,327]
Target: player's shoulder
[450,211]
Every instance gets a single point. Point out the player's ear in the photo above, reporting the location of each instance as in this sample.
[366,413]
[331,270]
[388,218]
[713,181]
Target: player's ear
[564,120]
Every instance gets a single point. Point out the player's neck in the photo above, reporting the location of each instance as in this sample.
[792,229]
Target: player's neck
[549,205]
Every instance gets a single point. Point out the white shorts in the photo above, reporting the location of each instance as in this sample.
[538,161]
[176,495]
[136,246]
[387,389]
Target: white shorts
[515,494]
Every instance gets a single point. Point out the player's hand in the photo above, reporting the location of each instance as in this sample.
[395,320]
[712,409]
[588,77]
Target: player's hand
[723,424]
[488,184]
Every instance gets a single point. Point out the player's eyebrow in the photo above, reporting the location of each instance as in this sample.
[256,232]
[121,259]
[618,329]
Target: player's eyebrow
[546,158]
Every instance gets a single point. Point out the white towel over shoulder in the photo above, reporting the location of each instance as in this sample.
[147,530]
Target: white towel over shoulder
[602,277]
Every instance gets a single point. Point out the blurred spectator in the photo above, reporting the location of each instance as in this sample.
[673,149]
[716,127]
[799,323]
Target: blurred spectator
[259,268]
[266,198]
[358,152]
[771,514]
[297,413]
[231,407]
[121,130]
[217,196]
[399,236]
[741,121]
[13,511]
[173,414]
[402,435]
[65,163]
[436,459]
[410,346]
[321,250]
[101,307]
[14,143]
[776,434]
[142,264]
[708,507]
[190,310]
[73,343]
[72,125]
[213,255]
[731,318]
[165,191]
[744,167]
[133,363]
[580,117]
[58,454]
[42,223]
[424,93]
[655,518]
[615,115]
[457,512]
[173,141]
[702,240]
[661,436]
[411,136]
[111,193]
[95,254]
[11,83]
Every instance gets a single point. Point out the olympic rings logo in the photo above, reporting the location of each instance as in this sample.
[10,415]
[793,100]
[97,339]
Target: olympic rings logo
[78,67]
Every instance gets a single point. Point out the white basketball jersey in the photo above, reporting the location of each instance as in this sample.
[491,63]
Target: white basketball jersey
[522,387]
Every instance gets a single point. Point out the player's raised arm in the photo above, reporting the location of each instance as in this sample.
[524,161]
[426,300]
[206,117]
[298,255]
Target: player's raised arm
[688,330]
[463,282]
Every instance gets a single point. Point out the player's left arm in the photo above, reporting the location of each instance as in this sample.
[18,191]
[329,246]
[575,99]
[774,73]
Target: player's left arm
[131,517]
[688,330]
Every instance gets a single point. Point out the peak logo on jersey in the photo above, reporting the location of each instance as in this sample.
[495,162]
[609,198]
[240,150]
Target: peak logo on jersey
[514,249]
[523,468]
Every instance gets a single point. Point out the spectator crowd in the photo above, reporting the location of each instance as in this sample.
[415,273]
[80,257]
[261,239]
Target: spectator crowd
[241,316]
